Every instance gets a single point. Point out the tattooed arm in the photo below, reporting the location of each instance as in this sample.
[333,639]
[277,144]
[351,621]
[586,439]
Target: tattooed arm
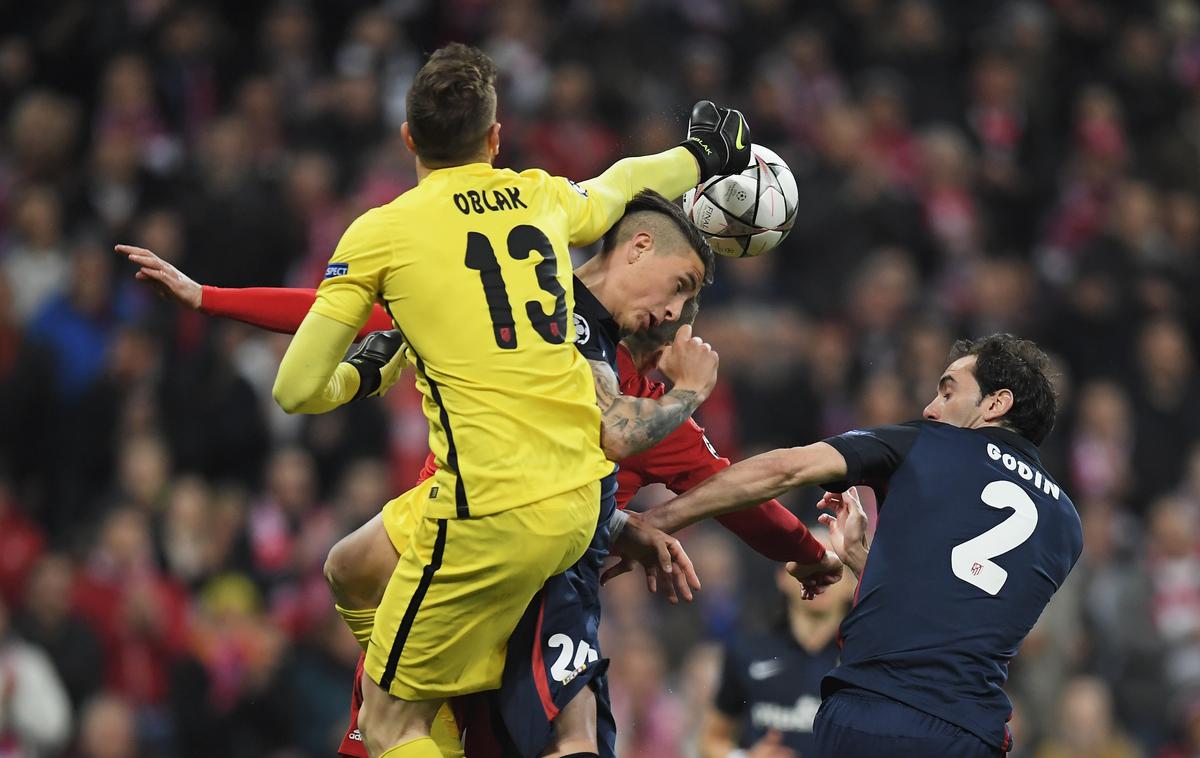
[629,424]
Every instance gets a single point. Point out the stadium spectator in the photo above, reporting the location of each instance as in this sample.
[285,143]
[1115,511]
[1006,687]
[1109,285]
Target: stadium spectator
[35,714]
[1085,725]
[36,262]
[21,544]
[650,718]
[49,621]
[108,729]
[770,686]
[139,614]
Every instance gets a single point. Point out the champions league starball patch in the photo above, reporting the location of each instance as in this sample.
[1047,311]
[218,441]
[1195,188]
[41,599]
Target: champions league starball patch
[583,330]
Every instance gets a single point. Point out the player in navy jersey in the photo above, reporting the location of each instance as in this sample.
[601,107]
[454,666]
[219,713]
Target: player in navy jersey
[973,538]
[770,685]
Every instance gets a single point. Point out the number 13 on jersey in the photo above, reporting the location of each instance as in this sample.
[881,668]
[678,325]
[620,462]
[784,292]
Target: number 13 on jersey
[522,240]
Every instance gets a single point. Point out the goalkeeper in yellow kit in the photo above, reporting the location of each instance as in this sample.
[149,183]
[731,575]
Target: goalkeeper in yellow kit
[473,267]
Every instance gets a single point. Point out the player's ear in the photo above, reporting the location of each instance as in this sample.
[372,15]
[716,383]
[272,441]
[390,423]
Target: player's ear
[493,139]
[408,140]
[999,403]
[639,244]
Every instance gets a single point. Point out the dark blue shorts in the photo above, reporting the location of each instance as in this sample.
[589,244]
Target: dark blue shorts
[555,651]
[855,723]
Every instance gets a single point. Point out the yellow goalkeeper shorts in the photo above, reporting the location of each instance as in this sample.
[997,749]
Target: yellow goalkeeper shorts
[461,586]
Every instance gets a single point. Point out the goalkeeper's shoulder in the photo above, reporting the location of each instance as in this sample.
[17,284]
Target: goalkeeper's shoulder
[536,175]
[540,178]
[561,188]
[372,225]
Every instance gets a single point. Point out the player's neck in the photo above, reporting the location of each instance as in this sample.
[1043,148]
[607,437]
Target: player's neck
[813,632]
[424,171]
[983,424]
[595,277]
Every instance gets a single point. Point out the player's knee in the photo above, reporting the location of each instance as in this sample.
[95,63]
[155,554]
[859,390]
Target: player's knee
[359,565]
[352,583]
[376,736]
[385,722]
[337,567]
[373,740]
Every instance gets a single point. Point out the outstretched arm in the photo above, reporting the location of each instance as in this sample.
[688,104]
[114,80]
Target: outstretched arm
[774,532]
[277,309]
[685,458]
[750,482]
[718,142]
[600,202]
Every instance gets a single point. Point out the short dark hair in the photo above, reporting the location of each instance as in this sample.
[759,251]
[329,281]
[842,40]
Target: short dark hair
[1003,361]
[649,201]
[452,104]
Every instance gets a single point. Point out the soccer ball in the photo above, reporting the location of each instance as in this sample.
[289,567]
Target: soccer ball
[747,213]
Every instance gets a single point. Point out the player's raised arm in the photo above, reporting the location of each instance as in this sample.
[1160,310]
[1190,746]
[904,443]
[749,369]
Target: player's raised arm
[628,424]
[860,456]
[276,309]
[169,281]
[312,377]
[718,142]
[750,482]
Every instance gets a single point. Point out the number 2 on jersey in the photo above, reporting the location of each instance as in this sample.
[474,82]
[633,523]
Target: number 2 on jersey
[972,561]
[521,241]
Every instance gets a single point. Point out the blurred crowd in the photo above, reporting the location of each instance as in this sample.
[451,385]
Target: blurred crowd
[963,168]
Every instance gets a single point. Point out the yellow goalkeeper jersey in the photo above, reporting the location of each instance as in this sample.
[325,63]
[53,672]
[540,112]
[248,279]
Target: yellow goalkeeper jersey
[473,266]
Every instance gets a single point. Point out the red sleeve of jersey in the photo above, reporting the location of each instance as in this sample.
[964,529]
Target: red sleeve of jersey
[629,481]
[775,532]
[685,458]
[428,470]
[379,321]
[632,382]
[278,309]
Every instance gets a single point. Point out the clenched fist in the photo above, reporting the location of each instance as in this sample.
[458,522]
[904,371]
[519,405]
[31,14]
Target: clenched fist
[690,363]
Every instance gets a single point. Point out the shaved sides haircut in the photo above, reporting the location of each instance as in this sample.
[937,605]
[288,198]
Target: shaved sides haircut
[666,222]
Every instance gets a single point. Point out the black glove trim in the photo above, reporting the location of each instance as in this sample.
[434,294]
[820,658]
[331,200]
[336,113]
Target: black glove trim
[704,156]
[719,138]
[372,354]
[369,379]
